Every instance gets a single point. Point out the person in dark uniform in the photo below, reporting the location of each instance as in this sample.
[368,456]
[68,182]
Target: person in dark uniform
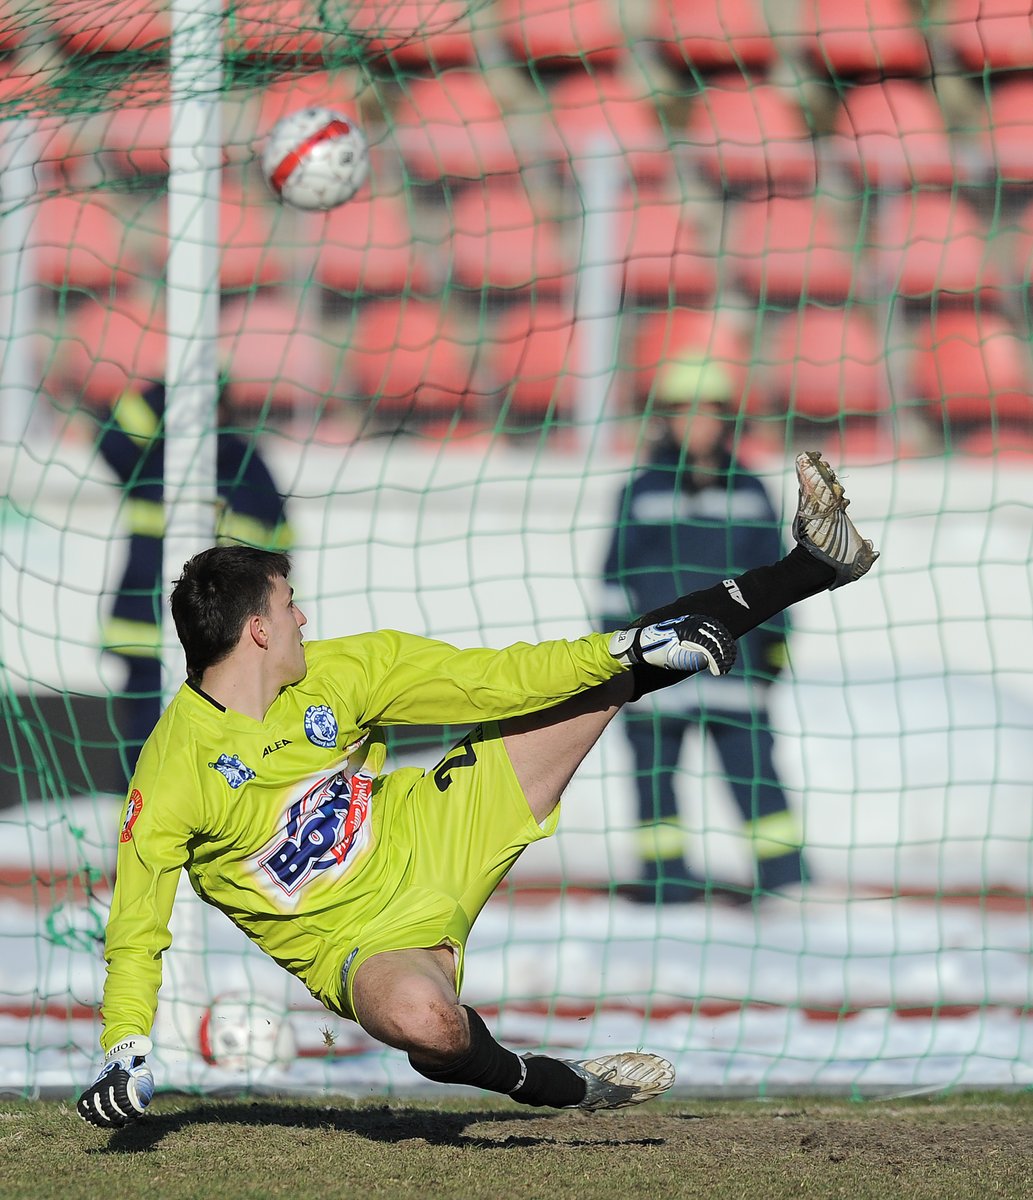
[251,512]
[691,512]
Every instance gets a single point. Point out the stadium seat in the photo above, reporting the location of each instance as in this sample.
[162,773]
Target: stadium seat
[98,351]
[1009,442]
[784,247]
[752,138]
[664,337]
[1009,131]
[408,358]
[988,34]
[415,34]
[250,254]
[135,139]
[500,242]
[846,39]
[291,92]
[561,33]
[367,247]
[111,26]
[603,115]
[451,125]
[661,248]
[972,367]
[932,244]
[77,242]
[824,363]
[713,37]
[893,134]
[290,29]
[532,361]
[277,359]
[13,26]
[63,147]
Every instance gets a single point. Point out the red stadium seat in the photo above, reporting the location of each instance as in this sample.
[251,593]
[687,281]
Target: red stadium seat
[275,357]
[287,94]
[752,137]
[713,37]
[64,149]
[562,32]
[407,357]
[415,33]
[932,243]
[785,247]
[823,363]
[1009,132]
[603,115]
[290,29]
[664,259]
[111,26]
[893,134]
[994,34]
[664,337]
[81,243]
[972,367]
[532,361]
[13,25]
[875,37]
[367,247]
[452,125]
[250,255]
[499,241]
[98,352]
[1010,443]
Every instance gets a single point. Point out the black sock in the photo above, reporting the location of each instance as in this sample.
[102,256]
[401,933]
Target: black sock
[535,1080]
[765,591]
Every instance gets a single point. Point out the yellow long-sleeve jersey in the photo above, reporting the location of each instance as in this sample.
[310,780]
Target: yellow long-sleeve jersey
[275,821]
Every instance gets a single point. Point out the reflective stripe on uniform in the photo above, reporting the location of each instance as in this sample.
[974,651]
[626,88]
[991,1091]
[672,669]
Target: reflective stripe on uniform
[135,417]
[663,840]
[774,835]
[146,518]
[132,639]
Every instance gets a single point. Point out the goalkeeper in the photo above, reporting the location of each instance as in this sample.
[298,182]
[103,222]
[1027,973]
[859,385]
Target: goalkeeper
[264,781]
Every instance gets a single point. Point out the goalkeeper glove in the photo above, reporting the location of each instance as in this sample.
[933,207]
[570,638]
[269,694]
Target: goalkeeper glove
[124,1087]
[688,644]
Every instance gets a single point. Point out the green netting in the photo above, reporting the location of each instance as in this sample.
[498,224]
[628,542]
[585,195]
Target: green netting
[452,377]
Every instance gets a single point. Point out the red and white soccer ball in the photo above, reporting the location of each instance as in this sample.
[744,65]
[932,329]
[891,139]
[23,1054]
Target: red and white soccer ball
[243,1034]
[315,158]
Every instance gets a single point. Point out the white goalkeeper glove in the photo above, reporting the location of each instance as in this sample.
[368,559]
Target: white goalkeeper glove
[690,644]
[124,1087]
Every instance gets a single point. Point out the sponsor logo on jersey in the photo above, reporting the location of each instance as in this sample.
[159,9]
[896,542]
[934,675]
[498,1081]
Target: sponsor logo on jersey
[321,725]
[234,771]
[320,831]
[275,746]
[133,810]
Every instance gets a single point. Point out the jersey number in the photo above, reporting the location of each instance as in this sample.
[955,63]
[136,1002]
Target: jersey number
[462,756]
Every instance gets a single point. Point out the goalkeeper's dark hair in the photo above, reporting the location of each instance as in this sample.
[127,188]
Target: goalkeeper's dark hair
[220,590]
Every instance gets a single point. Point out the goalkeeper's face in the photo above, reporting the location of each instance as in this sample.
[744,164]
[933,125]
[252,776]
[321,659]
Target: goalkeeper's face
[284,623]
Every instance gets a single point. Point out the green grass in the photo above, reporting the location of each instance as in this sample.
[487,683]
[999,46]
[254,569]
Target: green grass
[966,1147]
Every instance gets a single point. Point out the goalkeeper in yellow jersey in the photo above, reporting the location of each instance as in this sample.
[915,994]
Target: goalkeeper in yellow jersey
[264,780]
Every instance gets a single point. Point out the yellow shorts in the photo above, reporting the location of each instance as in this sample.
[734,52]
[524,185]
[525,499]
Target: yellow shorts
[454,833]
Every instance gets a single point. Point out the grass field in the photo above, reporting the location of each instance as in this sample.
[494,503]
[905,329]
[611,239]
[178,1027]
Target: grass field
[970,1147]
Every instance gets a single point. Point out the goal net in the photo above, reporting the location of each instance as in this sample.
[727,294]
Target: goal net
[451,379]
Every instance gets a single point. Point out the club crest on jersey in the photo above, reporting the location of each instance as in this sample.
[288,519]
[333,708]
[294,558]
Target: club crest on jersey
[321,726]
[234,771]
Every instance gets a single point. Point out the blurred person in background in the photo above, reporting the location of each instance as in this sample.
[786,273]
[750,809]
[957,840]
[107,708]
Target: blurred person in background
[691,512]
[251,512]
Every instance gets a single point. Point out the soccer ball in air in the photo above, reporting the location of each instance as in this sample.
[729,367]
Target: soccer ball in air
[242,1034]
[315,158]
